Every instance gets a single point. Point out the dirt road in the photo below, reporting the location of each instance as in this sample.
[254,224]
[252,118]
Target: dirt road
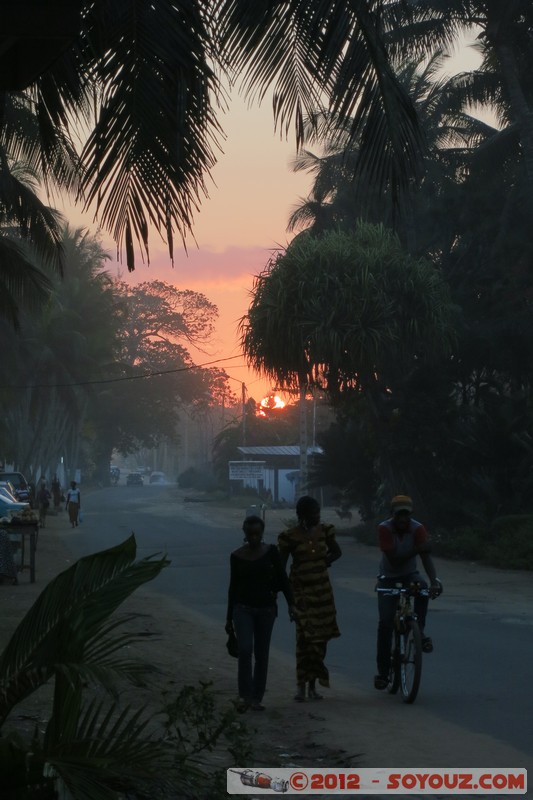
[352,727]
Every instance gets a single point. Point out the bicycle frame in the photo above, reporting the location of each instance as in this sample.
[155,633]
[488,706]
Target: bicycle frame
[406,655]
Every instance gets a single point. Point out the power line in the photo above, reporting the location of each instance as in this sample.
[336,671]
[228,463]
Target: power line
[117,380]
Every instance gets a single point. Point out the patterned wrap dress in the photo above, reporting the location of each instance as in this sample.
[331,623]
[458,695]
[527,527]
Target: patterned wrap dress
[316,622]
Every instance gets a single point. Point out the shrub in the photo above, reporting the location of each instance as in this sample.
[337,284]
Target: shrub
[511,542]
[462,543]
[204,734]
[193,478]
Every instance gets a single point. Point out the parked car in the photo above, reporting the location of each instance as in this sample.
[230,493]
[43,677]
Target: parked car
[158,477]
[23,491]
[9,508]
[7,489]
[134,479]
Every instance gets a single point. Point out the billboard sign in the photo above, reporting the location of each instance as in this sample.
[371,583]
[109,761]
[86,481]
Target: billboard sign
[246,470]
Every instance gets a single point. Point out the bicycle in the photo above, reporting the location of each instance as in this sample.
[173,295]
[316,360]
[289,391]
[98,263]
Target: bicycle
[405,669]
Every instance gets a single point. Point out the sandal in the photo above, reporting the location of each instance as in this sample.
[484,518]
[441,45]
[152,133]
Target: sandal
[312,692]
[300,695]
[380,682]
[427,644]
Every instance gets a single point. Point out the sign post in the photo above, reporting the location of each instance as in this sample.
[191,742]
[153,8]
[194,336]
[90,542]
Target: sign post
[246,470]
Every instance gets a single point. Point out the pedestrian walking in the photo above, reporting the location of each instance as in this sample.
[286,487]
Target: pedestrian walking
[73,504]
[43,502]
[313,548]
[256,576]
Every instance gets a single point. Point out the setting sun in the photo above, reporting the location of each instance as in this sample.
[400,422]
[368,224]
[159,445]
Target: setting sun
[271,402]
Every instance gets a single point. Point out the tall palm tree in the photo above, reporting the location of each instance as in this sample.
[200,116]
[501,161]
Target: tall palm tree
[503,27]
[451,133]
[30,230]
[55,353]
[145,80]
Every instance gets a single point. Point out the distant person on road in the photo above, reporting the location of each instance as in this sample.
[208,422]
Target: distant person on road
[56,493]
[43,502]
[73,504]
[256,576]
[401,540]
[313,548]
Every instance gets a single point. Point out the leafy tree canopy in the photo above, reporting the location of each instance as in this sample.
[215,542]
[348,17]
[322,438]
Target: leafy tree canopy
[347,303]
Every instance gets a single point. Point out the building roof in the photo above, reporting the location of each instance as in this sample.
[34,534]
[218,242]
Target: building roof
[279,450]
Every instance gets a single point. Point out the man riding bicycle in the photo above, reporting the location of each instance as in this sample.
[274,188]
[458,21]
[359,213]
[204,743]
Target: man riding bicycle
[401,540]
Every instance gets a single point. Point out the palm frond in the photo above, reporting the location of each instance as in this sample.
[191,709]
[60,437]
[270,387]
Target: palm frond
[21,206]
[22,284]
[29,137]
[68,613]
[114,749]
[155,132]
[331,54]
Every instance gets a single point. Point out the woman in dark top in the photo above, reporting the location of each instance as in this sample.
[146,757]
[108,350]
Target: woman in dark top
[257,575]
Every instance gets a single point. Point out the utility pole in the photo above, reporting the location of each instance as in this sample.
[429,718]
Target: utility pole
[303,438]
[243,418]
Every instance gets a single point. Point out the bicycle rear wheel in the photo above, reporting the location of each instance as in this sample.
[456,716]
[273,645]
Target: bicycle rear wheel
[394,668]
[411,661]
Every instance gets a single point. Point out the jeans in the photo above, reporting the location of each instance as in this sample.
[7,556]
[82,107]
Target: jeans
[253,628]
[387,609]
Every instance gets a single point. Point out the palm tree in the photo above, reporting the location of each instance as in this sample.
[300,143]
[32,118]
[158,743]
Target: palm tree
[503,29]
[451,133]
[357,315]
[146,83]
[55,354]
[90,749]
[343,300]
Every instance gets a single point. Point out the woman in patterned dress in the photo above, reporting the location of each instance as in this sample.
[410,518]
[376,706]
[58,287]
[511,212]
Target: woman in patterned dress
[313,548]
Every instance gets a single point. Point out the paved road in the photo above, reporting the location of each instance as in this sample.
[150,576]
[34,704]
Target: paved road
[477,678]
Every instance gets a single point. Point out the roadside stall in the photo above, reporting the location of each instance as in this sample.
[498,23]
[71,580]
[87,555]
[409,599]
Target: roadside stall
[22,528]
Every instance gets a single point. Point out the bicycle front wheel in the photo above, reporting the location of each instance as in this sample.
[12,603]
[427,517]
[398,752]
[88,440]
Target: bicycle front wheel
[394,668]
[411,661]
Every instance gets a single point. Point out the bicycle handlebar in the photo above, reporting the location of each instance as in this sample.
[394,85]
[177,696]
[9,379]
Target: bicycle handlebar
[395,591]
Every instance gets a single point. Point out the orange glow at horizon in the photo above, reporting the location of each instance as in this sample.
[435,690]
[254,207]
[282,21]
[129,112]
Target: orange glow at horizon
[271,402]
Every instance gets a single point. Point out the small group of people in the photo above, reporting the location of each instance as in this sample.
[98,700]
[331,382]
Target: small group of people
[72,501]
[258,573]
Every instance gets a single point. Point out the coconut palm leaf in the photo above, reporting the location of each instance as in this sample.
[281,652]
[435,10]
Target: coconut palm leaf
[141,83]
[22,283]
[35,221]
[68,615]
[155,131]
[113,751]
[308,52]
[30,138]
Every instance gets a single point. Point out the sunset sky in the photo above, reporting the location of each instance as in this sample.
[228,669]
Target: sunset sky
[252,193]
